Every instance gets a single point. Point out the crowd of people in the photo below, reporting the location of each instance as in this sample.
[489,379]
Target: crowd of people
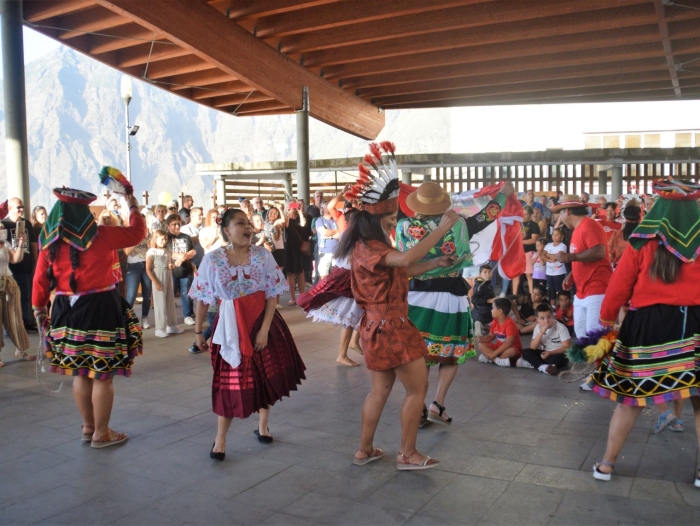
[393,279]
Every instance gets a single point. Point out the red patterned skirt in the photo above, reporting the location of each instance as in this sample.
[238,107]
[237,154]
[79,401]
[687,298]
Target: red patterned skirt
[261,379]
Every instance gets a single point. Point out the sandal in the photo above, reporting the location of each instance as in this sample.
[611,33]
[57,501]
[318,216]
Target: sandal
[24,355]
[677,426]
[371,456]
[599,475]
[291,303]
[403,463]
[86,437]
[437,418]
[107,439]
[424,420]
[665,419]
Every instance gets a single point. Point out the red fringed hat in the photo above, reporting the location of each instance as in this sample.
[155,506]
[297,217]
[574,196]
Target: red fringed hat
[72,195]
[377,188]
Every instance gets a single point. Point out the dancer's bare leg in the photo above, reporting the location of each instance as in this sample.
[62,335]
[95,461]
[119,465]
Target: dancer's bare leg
[222,425]
[414,377]
[446,375]
[382,383]
[345,335]
[355,342]
[292,279]
[82,393]
[263,417]
[621,424]
[102,400]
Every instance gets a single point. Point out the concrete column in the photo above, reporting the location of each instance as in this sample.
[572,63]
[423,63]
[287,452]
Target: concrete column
[427,175]
[406,176]
[303,149]
[221,190]
[288,185]
[603,182]
[616,182]
[16,158]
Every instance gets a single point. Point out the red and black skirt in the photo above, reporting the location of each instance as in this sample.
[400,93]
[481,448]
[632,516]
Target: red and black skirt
[335,285]
[262,378]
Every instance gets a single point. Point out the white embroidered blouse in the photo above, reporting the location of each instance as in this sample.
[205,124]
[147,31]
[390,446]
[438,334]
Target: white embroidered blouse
[218,280]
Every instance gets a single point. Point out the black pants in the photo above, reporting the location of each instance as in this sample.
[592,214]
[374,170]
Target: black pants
[534,358]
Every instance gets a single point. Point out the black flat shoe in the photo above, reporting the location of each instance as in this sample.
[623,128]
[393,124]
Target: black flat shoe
[216,456]
[263,438]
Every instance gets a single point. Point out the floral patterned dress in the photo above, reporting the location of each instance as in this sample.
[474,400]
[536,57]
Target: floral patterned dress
[262,378]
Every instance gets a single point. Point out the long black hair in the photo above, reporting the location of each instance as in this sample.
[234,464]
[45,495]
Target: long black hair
[364,227]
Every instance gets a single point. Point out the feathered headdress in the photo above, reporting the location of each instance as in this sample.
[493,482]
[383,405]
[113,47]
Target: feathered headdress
[113,179]
[377,188]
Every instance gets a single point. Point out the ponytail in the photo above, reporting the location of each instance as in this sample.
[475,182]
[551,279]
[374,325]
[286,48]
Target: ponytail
[666,265]
[74,262]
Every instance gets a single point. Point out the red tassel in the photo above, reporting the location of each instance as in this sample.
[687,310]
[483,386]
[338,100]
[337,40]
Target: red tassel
[388,147]
[376,151]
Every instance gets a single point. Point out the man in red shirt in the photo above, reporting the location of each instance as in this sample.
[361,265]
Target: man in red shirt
[590,263]
[609,223]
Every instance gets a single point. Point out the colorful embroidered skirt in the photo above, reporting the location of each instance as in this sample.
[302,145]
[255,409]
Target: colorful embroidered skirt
[656,358]
[445,324]
[261,380]
[98,337]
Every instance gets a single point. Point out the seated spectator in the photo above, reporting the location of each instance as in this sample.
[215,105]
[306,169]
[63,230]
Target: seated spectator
[482,296]
[502,344]
[525,316]
[549,343]
[565,310]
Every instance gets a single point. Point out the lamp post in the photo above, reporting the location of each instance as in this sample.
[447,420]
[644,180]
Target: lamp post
[127,93]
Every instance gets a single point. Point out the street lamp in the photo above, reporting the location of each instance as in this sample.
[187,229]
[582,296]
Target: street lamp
[127,93]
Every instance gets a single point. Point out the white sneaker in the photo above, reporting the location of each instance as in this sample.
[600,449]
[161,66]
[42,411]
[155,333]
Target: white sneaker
[584,385]
[174,329]
[502,295]
[161,334]
[522,362]
[502,362]
[189,320]
[145,324]
[483,359]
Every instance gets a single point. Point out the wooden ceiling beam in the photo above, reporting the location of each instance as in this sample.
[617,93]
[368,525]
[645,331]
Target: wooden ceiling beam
[201,78]
[174,66]
[91,20]
[247,9]
[254,107]
[236,100]
[120,38]
[491,13]
[144,53]
[498,79]
[525,88]
[547,49]
[38,10]
[279,111]
[254,62]
[347,12]
[666,42]
[221,89]
[554,60]
[616,21]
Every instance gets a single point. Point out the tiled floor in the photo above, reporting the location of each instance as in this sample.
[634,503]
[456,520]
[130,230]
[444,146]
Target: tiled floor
[520,452]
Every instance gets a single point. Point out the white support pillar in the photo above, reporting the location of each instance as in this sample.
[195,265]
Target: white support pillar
[287,186]
[603,182]
[406,176]
[303,148]
[616,182]
[16,157]
[221,190]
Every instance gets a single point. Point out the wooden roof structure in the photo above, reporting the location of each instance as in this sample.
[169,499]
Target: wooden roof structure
[360,57]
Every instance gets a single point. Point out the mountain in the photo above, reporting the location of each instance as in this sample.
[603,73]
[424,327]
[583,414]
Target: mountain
[75,120]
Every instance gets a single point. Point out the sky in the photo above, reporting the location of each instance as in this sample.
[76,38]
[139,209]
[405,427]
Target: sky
[522,128]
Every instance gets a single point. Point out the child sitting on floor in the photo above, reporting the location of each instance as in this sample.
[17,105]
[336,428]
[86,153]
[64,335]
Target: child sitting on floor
[502,344]
[525,317]
[482,299]
[549,343]
[565,311]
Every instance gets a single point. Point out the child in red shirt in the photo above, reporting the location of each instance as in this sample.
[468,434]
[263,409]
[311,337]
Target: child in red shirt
[565,310]
[502,345]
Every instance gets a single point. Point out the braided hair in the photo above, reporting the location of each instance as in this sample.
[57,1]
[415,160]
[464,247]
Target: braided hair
[74,263]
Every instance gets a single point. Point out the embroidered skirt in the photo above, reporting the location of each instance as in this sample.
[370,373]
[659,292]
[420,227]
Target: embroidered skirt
[260,380]
[656,358]
[445,323]
[98,337]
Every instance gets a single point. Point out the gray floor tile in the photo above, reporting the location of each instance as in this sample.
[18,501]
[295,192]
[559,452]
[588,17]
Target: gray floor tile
[410,491]
[53,501]
[524,504]
[574,480]
[333,510]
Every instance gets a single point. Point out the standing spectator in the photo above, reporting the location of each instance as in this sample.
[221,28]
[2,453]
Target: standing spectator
[531,231]
[158,222]
[159,266]
[172,209]
[618,242]
[186,209]
[555,271]
[22,271]
[541,223]
[209,233]
[259,207]
[182,251]
[274,229]
[246,207]
[590,264]
[482,300]
[10,308]
[546,211]
[314,209]
[136,275]
[610,224]
[539,274]
[298,230]
[530,200]
[38,218]
[328,236]
[192,229]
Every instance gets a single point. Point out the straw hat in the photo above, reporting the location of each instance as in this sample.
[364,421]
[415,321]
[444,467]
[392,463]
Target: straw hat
[430,200]
[568,201]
